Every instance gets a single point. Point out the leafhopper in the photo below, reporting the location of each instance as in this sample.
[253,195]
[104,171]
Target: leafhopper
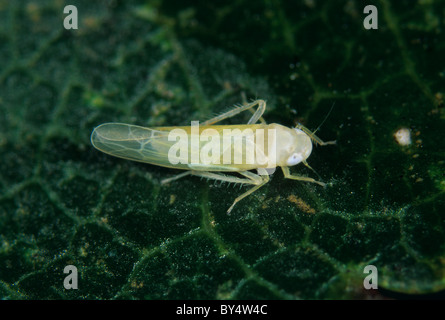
[215,151]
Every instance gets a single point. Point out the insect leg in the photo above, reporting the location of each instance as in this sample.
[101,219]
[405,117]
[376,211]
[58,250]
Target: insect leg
[259,112]
[243,96]
[179,176]
[223,177]
[288,175]
[262,180]
[256,116]
[252,178]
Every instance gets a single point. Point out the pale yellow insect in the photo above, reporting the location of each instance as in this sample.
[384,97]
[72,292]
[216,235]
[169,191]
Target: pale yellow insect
[154,145]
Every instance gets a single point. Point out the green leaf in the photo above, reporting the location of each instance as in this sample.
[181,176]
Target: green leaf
[166,63]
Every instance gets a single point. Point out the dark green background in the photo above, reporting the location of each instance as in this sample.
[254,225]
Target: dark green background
[168,62]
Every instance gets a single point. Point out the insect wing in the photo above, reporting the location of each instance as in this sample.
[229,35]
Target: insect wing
[154,145]
[132,142]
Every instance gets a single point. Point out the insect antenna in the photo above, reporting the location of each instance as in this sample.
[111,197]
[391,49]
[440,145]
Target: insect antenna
[325,118]
[312,135]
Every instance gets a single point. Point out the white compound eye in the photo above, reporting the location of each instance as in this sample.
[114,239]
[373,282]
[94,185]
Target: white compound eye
[294,159]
